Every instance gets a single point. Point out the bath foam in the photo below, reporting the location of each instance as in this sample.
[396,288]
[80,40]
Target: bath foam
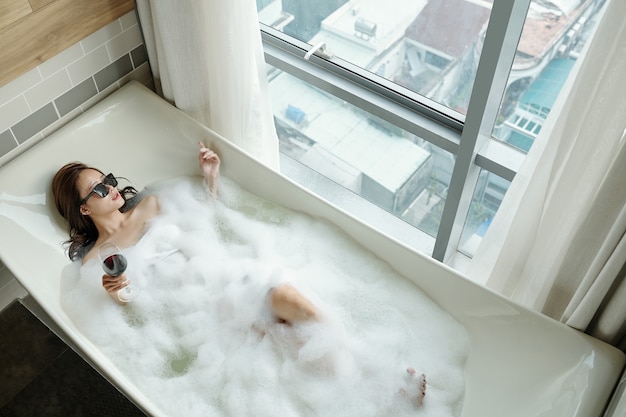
[199,339]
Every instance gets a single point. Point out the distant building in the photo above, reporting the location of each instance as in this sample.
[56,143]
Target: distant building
[437,55]
[349,146]
[552,38]
[362,31]
[308,16]
[432,48]
[535,104]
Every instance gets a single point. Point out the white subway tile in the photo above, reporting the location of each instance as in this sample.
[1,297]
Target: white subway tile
[61,60]
[16,87]
[35,90]
[61,122]
[47,90]
[128,20]
[88,65]
[104,93]
[124,42]
[12,112]
[99,37]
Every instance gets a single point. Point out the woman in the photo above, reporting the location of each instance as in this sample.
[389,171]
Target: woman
[97,213]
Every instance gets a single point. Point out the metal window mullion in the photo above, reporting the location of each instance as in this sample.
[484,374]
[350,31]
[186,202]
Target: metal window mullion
[503,33]
[500,159]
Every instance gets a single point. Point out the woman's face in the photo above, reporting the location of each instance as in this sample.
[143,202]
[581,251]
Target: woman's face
[95,205]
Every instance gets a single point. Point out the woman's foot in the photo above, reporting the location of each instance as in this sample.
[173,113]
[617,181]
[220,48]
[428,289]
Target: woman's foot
[416,387]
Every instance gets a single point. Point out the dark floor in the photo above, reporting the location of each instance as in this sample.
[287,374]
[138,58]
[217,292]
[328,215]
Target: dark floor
[41,376]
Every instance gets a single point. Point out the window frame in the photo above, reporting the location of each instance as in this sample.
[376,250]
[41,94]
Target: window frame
[468,137]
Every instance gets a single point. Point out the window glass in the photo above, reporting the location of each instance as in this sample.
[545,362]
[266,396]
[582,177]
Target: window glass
[553,36]
[488,195]
[394,169]
[429,47]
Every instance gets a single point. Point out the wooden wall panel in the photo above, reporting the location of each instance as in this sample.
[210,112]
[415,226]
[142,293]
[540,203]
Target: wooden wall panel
[38,4]
[13,10]
[51,27]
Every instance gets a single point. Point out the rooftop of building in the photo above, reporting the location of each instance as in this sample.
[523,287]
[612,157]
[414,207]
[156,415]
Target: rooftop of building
[449,26]
[352,137]
[546,23]
[546,88]
[390,19]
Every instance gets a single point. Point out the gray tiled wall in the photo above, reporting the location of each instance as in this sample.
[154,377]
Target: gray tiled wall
[42,100]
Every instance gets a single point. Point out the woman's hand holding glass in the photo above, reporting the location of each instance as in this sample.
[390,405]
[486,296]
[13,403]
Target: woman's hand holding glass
[115,281]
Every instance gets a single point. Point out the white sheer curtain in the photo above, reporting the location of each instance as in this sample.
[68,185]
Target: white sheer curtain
[207,60]
[557,244]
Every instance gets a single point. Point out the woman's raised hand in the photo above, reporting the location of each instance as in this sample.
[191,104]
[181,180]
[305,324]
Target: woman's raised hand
[210,166]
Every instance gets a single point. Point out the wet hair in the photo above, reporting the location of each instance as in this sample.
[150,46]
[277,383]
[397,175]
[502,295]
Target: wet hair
[82,230]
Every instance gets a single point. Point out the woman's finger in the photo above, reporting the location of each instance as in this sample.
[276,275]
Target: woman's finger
[113,284]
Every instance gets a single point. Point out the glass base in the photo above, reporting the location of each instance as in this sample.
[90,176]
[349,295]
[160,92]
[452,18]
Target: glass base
[127,294]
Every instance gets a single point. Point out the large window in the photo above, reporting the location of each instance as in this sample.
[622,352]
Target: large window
[420,109]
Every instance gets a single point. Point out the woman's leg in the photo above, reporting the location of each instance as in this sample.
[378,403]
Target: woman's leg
[289,305]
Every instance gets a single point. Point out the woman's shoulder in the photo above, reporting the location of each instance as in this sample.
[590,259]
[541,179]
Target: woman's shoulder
[143,200]
[149,204]
[133,201]
[140,215]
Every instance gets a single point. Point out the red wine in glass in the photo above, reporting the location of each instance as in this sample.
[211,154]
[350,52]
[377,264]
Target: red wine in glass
[115,264]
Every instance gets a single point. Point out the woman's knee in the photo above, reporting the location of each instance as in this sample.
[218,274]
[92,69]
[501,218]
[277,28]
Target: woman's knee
[290,305]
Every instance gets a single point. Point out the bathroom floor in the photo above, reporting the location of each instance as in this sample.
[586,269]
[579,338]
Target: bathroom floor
[41,376]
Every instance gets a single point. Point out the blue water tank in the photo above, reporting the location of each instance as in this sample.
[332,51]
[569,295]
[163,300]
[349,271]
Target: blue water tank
[295,114]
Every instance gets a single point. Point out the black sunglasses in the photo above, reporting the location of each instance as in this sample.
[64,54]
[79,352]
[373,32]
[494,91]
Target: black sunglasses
[101,189]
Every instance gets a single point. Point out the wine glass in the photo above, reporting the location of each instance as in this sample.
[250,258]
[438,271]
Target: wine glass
[114,264]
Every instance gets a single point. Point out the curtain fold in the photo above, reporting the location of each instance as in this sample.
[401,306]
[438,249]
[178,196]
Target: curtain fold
[557,243]
[207,59]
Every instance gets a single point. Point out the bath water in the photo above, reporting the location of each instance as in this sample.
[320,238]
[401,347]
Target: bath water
[200,341]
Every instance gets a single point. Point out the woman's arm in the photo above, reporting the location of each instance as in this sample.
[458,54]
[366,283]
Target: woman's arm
[210,166]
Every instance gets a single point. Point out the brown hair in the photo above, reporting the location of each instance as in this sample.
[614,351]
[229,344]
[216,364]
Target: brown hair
[82,230]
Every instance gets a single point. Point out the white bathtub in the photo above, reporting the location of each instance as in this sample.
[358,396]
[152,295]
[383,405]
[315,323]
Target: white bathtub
[519,364]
